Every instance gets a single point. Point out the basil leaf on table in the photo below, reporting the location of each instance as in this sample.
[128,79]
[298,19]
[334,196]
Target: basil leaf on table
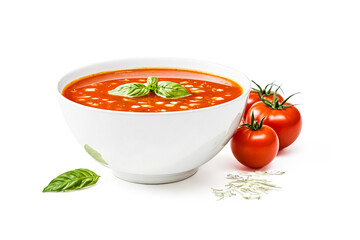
[130,90]
[95,154]
[171,90]
[72,180]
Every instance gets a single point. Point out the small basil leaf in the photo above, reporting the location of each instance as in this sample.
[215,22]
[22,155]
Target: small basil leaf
[72,180]
[152,83]
[95,154]
[171,90]
[130,90]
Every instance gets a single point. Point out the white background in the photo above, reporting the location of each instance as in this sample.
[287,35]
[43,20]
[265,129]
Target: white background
[308,46]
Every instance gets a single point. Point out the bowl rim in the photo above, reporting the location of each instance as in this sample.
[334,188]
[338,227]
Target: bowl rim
[243,95]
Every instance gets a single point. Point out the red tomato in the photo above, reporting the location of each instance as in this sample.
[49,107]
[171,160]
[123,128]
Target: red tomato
[255,145]
[254,98]
[283,117]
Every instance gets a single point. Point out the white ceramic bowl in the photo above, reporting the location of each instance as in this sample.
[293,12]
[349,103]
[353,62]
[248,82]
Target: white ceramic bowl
[156,147]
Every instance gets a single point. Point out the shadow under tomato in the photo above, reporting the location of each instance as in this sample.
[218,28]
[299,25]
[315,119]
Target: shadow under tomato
[241,167]
[229,163]
[284,152]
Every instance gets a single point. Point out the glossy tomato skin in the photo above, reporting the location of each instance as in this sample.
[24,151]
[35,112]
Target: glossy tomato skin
[286,122]
[255,148]
[254,98]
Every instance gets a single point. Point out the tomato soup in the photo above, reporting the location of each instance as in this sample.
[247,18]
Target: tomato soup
[206,90]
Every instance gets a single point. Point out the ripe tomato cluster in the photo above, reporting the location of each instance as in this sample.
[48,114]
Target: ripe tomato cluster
[266,93]
[270,124]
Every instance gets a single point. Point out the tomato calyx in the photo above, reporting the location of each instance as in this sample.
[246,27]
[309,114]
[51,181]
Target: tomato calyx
[254,125]
[264,92]
[275,103]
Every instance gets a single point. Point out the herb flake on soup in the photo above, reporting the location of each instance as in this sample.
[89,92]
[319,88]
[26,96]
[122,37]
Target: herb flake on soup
[205,90]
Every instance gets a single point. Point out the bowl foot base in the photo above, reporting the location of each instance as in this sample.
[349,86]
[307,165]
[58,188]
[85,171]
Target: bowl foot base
[155,179]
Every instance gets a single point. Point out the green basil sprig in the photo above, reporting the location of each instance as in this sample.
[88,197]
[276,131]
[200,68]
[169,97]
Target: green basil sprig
[171,90]
[152,83]
[72,180]
[162,89]
[130,90]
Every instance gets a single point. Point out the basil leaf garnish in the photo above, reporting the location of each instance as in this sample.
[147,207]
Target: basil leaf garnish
[95,154]
[72,180]
[171,90]
[130,90]
[152,83]
[162,89]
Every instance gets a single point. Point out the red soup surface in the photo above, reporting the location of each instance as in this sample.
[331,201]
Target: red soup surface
[206,90]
